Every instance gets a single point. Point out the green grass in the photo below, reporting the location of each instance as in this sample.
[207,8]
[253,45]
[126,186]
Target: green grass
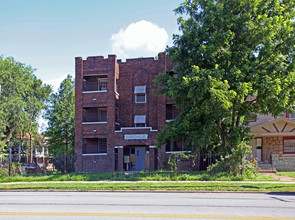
[290,174]
[157,186]
[141,176]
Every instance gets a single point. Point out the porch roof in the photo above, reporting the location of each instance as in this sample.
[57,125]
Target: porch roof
[275,127]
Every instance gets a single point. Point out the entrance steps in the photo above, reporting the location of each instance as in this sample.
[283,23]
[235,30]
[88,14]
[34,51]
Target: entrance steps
[266,168]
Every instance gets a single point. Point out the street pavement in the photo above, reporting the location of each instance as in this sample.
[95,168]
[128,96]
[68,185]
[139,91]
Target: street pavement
[146,205]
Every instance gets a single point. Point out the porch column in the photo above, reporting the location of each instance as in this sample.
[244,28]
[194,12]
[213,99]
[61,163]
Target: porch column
[152,158]
[120,158]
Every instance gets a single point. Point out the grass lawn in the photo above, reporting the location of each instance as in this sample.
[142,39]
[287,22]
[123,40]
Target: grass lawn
[141,176]
[290,174]
[155,186]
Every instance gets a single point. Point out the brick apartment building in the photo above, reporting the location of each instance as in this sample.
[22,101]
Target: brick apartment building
[118,117]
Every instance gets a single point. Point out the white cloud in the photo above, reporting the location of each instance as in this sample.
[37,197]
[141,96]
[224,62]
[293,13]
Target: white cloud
[55,83]
[142,38]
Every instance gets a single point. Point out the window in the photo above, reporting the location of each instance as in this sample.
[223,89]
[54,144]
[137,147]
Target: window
[140,94]
[103,85]
[117,115]
[102,112]
[140,98]
[95,83]
[140,120]
[95,114]
[171,112]
[173,146]
[117,85]
[289,145]
[94,145]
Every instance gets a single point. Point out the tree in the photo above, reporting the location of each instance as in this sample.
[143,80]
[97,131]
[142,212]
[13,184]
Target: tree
[23,97]
[233,58]
[61,125]
[35,102]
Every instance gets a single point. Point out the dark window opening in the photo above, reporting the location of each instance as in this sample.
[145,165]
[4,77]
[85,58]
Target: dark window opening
[171,112]
[95,115]
[94,145]
[95,83]
[174,146]
[140,98]
[117,116]
[139,124]
[117,85]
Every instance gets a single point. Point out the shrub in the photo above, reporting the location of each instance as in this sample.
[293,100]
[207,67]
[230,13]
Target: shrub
[232,163]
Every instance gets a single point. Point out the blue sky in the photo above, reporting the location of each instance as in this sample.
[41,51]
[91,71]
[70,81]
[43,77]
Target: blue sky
[48,35]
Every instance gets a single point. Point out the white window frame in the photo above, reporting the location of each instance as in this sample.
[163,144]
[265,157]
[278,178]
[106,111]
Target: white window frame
[140,120]
[103,81]
[136,101]
[140,90]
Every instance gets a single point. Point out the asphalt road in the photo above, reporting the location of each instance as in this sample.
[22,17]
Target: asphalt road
[143,205]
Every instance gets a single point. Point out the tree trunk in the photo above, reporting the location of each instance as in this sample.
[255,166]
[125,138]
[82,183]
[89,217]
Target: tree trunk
[31,148]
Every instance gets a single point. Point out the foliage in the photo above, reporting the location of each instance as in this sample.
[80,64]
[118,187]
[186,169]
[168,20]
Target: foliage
[22,97]
[64,162]
[2,149]
[175,158]
[232,163]
[14,169]
[160,175]
[61,124]
[232,58]
[157,186]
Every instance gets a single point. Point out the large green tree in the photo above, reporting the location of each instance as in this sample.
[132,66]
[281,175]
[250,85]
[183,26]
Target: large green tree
[233,58]
[61,125]
[22,98]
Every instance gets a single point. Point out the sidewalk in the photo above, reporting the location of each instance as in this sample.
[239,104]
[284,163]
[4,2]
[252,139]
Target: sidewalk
[279,177]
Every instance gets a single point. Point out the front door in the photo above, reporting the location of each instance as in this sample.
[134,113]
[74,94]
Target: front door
[140,158]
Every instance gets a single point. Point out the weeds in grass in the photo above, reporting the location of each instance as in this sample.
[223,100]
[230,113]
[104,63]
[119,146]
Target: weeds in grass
[140,176]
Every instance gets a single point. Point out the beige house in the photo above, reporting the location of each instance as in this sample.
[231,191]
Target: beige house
[274,142]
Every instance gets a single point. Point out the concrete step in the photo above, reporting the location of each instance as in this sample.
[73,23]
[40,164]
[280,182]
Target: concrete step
[265,168]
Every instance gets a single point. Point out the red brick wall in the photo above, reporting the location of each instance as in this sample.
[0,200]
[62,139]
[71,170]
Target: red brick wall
[133,72]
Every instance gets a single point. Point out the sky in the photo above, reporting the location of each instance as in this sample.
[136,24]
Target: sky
[48,35]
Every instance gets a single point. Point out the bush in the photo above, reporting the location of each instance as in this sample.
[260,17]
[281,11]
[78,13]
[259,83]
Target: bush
[174,159]
[233,163]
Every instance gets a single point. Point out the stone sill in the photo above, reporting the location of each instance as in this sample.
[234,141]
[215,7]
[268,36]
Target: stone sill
[287,155]
[94,91]
[98,154]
